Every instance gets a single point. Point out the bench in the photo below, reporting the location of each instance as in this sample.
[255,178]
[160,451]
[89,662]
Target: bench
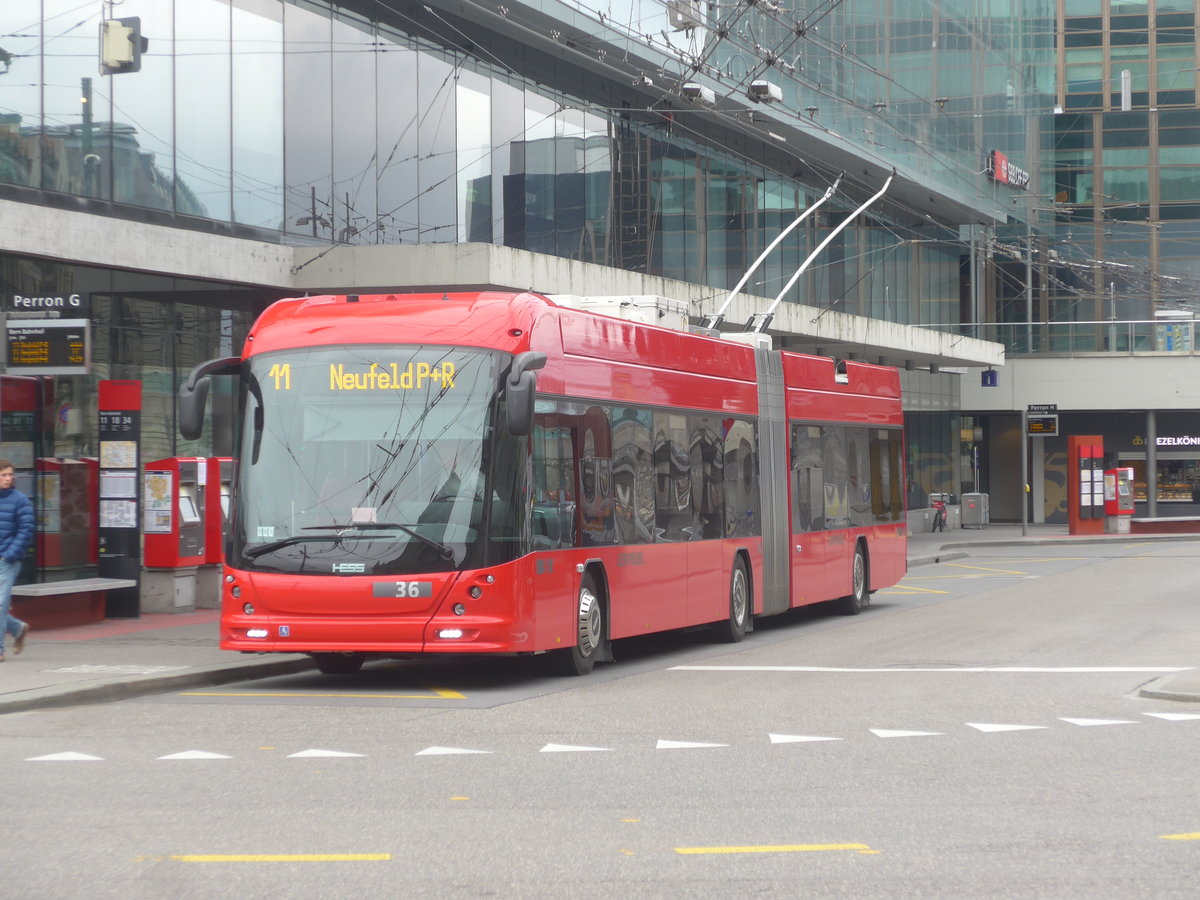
[61,604]
[1165,525]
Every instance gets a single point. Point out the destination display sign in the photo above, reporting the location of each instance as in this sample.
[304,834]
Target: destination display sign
[418,376]
[1042,425]
[48,346]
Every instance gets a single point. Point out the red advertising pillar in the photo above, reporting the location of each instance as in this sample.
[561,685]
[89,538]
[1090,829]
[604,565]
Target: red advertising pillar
[1085,483]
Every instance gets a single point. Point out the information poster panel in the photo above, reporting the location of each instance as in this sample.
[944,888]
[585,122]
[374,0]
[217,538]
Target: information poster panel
[120,431]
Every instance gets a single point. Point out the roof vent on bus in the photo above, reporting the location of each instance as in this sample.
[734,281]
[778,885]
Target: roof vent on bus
[352,298]
[840,375]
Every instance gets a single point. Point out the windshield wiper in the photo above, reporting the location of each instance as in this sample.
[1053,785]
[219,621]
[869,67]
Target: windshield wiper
[256,552]
[443,551]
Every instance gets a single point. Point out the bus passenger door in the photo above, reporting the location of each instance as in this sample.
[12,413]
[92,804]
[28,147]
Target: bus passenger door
[807,546]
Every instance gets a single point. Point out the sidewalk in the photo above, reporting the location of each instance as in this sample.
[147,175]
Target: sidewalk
[121,658]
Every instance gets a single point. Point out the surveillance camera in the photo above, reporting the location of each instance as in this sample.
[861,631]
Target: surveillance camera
[765,92]
[698,93]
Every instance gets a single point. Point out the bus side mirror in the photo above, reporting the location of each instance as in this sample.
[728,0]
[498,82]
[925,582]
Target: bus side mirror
[519,389]
[193,393]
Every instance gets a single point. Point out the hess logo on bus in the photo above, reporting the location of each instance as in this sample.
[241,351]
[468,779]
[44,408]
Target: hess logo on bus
[349,568]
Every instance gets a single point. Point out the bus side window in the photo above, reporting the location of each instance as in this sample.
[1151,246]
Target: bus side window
[708,478]
[633,475]
[741,479]
[808,479]
[593,446]
[553,485]
[674,504]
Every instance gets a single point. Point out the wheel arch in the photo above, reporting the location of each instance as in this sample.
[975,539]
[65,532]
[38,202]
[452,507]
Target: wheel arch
[862,543]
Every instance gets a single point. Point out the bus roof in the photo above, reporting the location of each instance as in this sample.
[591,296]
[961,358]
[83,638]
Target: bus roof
[590,354]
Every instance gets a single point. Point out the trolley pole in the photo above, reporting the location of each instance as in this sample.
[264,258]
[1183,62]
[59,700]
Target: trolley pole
[1024,473]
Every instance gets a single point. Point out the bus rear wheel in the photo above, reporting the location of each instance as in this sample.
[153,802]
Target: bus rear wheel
[733,629]
[338,663]
[853,604]
[589,621]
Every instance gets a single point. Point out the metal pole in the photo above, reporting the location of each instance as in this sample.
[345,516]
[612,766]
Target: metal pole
[1151,463]
[1028,282]
[1024,474]
[1112,317]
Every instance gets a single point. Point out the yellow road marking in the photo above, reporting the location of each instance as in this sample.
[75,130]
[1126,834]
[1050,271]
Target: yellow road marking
[986,569]
[1035,559]
[774,848]
[1194,836]
[910,589]
[436,694]
[284,857]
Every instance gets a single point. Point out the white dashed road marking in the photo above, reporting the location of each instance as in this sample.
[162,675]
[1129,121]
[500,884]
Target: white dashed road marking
[195,754]
[661,744]
[66,757]
[1175,717]
[448,751]
[315,754]
[798,738]
[981,726]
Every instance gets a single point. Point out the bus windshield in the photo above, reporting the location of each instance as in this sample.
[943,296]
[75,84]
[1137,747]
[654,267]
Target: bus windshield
[373,459]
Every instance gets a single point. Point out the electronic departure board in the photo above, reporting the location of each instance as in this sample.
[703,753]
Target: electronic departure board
[48,346]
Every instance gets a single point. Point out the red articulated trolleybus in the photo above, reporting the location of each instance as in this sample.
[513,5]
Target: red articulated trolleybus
[493,472]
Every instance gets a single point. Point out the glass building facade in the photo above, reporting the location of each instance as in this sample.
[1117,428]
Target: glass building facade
[554,128]
[1127,156]
[346,123]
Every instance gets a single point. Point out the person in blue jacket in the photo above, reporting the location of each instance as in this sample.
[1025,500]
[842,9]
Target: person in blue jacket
[16,531]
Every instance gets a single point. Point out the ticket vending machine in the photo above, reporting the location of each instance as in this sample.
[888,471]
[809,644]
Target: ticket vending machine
[218,493]
[1118,500]
[173,510]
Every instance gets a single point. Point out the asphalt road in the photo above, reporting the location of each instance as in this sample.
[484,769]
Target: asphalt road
[976,733]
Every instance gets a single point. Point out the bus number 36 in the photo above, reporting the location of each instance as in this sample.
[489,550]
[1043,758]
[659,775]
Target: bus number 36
[404,589]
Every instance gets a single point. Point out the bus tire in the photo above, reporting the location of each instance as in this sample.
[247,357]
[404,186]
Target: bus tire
[733,629]
[859,595]
[589,630]
[338,663]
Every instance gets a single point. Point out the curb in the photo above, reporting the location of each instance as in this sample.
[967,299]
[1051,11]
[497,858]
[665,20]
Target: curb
[1071,540]
[934,558]
[1158,690]
[123,689]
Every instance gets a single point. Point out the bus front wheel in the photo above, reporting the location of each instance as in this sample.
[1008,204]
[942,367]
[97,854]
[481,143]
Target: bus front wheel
[589,621]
